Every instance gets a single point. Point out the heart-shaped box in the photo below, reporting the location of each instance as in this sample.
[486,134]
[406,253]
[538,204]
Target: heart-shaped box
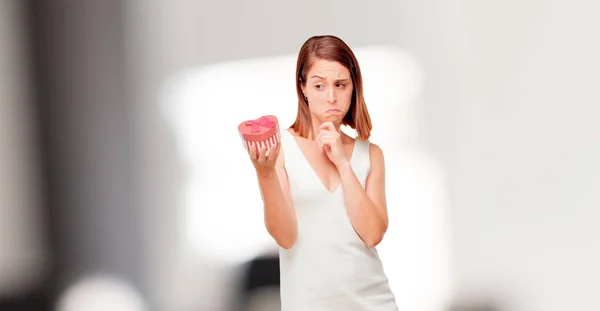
[263,132]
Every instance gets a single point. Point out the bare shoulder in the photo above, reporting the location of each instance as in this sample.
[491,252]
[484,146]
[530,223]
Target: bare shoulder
[375,153]
[375,185]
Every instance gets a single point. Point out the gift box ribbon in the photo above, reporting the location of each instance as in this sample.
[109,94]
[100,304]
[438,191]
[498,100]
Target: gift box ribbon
[262,121]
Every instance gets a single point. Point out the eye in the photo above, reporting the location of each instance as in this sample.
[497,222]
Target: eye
[341,85]
[319,86]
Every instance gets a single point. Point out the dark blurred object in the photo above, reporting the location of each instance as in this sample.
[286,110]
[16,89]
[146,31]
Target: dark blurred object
[85,135]
[34,301]
[66,64]
[259,274]
[25,257]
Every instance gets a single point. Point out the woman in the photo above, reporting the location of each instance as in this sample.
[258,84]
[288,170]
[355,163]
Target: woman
[324,196]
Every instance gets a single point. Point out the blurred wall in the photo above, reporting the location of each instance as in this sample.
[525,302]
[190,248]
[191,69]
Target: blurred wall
[525,166]
[24,257]
[509,103]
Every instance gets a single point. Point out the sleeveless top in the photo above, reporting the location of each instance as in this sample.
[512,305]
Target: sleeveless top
[329,268]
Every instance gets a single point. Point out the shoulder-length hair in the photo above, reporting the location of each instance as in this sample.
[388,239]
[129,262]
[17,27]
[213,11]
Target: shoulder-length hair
[331,48]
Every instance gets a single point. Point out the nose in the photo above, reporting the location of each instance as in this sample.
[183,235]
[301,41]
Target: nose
[331,96]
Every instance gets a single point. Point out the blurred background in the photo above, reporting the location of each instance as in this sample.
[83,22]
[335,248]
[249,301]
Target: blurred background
[124,186]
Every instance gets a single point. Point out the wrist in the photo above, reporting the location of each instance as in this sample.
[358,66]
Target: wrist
[266,173]
[343,166]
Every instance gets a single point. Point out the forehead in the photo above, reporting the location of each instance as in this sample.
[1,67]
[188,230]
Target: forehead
[328,68]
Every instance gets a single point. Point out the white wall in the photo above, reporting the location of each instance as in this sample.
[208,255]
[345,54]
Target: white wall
[526,164]
[510,95]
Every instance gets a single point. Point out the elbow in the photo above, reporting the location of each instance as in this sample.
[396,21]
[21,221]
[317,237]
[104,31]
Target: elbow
[284,238]
[374,240]
[286,245]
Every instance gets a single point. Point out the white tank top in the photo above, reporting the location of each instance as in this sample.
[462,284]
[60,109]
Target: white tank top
[329,268]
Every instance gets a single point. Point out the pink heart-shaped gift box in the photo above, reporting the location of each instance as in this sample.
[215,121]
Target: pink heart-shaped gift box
[263,132]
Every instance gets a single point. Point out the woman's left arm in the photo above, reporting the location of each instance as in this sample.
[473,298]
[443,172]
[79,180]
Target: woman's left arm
[367,208]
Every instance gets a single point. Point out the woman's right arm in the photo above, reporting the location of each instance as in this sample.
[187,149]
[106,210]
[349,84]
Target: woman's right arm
[280,217]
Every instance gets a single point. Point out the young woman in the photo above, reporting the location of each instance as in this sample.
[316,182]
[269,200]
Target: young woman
[324,192]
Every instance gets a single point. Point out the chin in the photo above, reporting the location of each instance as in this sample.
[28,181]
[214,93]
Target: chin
[334,119]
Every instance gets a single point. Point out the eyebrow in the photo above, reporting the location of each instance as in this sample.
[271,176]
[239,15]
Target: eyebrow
[323,78]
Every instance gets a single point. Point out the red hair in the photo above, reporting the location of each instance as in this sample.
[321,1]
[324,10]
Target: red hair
[331,48]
